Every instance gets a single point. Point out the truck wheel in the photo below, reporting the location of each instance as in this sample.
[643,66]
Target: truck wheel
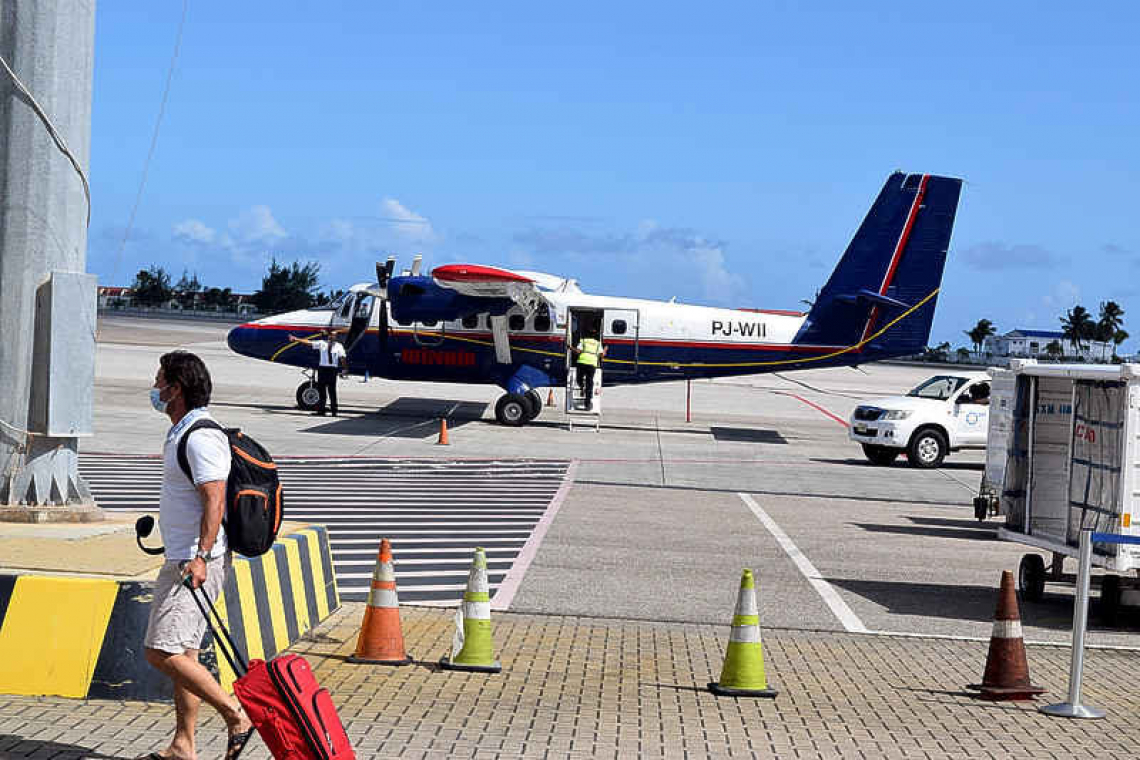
[1031,577]
[308,396]
[927,449]
[512,410]
[879,455]
[1109,599]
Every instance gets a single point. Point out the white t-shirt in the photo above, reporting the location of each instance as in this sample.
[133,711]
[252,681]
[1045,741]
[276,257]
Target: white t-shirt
[180,506]
[329,357]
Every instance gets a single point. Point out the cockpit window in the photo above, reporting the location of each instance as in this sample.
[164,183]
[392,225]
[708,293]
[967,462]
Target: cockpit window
[939,387]
[333,305]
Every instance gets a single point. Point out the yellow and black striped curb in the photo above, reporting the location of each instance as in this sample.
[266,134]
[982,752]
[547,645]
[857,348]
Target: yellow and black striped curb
[82,637]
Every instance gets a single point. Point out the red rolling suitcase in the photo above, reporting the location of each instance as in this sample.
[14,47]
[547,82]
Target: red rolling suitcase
[294,716]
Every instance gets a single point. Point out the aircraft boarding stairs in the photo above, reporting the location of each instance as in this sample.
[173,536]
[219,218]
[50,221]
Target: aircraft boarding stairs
[576,400]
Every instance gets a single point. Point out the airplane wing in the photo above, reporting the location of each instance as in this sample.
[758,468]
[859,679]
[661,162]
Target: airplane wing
[481,281]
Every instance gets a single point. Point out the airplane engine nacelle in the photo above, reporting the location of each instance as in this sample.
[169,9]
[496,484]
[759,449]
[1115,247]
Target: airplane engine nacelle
[420,299]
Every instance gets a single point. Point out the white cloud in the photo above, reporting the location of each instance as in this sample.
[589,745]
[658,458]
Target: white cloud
[194,231]
[256,225]
[407,223]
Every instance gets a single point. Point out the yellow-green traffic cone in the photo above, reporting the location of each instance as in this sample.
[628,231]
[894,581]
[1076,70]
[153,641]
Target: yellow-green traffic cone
[471,647]
[743,671]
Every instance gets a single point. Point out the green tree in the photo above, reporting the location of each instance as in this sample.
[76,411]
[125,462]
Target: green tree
[1054,349]
[1077,326]
[219,298]
[939,353]
[187,289]
[979,333]
[287,288]
[1111,319]
[152,287]
[1118,337]
[963,353]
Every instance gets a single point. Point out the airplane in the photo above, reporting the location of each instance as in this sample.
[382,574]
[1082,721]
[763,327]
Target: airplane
[469,323]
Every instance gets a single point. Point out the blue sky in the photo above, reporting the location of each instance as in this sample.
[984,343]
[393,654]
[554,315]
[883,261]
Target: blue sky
[720,153]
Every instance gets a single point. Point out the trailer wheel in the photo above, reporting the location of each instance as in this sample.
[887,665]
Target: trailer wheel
[1109,599]
[1031,577]
[535,401]
[512,409]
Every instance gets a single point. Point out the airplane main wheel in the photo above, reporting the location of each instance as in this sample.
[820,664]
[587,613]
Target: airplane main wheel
[308,396]
[535,402]
[512,410]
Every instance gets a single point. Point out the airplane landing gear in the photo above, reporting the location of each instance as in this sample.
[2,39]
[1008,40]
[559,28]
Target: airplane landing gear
[517,409]
[535,400]
[514,409]
[308,395]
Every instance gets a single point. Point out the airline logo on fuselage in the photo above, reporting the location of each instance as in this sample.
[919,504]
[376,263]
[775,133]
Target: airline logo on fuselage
[743,329]
[437,358]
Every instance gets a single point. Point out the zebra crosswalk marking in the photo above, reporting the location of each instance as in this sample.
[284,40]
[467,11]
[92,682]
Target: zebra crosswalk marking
[435,512]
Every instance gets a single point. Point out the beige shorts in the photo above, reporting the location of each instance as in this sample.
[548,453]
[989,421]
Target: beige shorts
[176,624]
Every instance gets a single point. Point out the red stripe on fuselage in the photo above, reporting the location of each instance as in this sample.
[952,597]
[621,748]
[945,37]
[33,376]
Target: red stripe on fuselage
[896,257]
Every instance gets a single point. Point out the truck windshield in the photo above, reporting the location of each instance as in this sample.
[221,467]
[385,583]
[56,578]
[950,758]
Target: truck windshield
[940,387]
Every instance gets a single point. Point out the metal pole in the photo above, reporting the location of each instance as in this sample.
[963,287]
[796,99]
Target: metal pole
[688,400]
[50,48]
[1073,708]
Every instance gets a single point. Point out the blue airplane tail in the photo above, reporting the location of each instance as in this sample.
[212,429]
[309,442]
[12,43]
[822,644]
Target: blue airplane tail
[880,299]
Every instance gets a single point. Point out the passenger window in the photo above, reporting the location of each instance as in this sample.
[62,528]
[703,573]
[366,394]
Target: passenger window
[344,312]
[542,323]
[517,322]
[428,323]
[618,327]
[403,323]
[471,321]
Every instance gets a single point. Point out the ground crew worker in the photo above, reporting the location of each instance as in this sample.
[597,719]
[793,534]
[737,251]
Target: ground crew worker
[332,362]
[588,353]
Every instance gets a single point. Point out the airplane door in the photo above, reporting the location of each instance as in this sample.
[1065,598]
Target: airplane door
[620,330]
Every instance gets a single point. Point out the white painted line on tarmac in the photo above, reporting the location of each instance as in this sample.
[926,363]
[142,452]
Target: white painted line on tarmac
[831,598]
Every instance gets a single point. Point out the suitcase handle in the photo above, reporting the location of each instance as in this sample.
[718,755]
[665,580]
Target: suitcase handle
[203,603]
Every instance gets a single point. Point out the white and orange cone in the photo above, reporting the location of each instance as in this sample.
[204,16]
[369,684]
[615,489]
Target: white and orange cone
[1007,669]
[381,639]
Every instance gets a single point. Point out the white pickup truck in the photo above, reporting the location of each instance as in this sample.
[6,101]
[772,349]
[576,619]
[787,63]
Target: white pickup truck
[943,414]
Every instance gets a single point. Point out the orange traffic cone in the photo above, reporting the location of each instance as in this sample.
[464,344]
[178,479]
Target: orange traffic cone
[381,639]
[442,432]
[1007,670]
[550,398]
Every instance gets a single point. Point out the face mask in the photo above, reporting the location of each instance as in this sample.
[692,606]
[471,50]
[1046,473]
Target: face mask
[156,400]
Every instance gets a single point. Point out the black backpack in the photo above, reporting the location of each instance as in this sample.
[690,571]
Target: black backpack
[254,504]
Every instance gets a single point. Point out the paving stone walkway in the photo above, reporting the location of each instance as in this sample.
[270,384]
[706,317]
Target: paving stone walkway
[584,688]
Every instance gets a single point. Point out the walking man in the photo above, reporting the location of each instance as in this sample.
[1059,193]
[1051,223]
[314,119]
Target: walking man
[190,519]
[332,362]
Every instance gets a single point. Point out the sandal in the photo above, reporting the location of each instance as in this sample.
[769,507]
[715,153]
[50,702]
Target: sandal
[237,743]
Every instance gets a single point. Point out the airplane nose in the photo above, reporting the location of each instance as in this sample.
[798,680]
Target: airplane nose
[241,340]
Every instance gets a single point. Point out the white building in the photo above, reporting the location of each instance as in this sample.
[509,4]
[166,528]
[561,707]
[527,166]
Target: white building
[1032,343]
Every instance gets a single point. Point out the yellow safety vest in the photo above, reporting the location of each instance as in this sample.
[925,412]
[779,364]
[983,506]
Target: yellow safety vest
[590,348]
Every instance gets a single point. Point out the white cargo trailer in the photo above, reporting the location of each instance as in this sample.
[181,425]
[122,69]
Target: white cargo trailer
[1064,455]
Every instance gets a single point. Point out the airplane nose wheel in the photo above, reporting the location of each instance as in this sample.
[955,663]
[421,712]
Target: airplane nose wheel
[308,396]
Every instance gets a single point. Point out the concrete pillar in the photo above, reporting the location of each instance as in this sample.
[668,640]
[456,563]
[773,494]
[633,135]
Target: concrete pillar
[49,45]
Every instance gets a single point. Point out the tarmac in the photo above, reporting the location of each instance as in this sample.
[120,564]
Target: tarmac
[623,616]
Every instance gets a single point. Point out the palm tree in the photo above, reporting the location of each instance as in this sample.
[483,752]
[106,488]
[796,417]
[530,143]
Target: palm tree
[1111,318]
[1118,337]
[1077,326]
[981,331]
